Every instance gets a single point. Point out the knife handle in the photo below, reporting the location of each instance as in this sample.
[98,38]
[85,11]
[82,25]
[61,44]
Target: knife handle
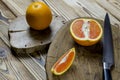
[107,74]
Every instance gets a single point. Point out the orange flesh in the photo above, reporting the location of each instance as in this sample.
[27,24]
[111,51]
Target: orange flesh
[61,66]
[77,29]
[94,29]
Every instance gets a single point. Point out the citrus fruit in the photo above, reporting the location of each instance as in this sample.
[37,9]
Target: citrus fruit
[38,15]
[64,62]
[85,31]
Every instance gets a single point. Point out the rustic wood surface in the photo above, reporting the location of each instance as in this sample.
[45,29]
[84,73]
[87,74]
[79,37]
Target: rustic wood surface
[88,61]
[23,39]
[31,66]
[12,67]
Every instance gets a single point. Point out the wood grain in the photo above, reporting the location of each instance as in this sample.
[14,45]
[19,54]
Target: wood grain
[82,8]
[5,11]
[68,9]
[88,61]
[17,7]
[106,5]
[19,67]
[23,39]
[10,67]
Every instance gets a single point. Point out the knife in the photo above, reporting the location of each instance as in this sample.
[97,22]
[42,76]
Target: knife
[108,59]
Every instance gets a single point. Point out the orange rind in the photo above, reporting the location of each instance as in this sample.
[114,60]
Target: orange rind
[64,62]
[86,32]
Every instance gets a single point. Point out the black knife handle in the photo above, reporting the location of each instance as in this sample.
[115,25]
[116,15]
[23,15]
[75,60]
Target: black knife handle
[107,74]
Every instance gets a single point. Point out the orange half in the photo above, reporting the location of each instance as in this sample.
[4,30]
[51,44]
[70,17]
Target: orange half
[86,32]
[64,62]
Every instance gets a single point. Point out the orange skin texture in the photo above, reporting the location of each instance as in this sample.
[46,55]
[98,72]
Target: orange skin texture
[38,15]
[85,42]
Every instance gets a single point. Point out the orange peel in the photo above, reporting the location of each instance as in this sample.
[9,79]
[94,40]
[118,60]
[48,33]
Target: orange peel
[86,32]
[64,62]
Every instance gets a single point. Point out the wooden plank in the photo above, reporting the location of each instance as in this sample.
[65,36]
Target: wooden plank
[36,72]
[88,61]
[5,11]
[32,64]
[108,7]
[10,67]
[60,8]
[36,69]
[19,67]
[18,7]
[26,40]
[115,3]
[4,33]
[80,8]
[65,8]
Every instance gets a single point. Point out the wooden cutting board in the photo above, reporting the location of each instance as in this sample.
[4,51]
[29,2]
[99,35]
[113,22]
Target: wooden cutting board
[88,61]
[23,39]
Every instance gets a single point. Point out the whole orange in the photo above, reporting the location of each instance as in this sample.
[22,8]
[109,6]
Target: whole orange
[38,15]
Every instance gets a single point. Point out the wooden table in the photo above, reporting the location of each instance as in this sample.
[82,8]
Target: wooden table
[31,66]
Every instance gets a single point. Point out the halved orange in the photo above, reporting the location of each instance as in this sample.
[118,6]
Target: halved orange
[64,62]
[85,31]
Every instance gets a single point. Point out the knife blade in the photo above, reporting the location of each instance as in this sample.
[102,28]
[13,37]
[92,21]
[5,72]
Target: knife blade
[108,59]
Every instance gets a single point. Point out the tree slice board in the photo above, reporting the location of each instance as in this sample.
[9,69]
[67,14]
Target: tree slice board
[88,61]
[23,39]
